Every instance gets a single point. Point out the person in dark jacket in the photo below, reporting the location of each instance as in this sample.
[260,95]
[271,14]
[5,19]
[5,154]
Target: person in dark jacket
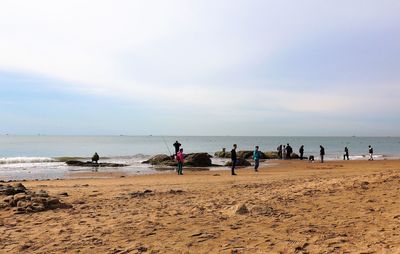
[234,159]
[346,153]
[301,152]
[322,153]
[279,149]
[95,158]
[289,151]
[256,158]
[371,153]
[177,145]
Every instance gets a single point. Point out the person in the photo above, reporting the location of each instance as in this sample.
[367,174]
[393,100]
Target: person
[234,159]
[279,149]
[177,145]
[371,153]
[95,158]
[301,151]
[284,152]
[180,158]
[322,153]
[256,158]
[346,153]
[289,151]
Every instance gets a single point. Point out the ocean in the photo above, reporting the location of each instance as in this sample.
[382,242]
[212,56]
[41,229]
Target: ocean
[38,157]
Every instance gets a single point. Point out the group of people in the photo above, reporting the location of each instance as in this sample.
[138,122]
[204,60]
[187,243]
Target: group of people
[284,152]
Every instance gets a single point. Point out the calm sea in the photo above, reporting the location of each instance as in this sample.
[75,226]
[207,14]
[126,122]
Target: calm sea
[31,157]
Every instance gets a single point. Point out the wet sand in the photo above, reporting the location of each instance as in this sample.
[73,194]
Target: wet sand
[290,207]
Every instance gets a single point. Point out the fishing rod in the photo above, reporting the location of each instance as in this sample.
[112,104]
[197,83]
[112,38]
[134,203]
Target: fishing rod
[170,154]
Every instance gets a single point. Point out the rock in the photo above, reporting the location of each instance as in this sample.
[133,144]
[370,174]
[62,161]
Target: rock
[91,164]
[65,194]
[245,154]
[19,210]
[198,160]
[158,159]
[191,160]
[240,163]
[12,190]
[41,193]
[222,154]
[271,155]
[19,196]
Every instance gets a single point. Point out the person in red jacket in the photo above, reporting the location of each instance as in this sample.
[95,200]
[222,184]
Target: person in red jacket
[180,158]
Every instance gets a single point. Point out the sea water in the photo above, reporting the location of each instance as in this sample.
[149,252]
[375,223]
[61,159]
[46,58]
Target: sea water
[31,157]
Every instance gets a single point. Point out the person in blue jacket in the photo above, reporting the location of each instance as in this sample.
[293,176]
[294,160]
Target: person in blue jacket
[256,158]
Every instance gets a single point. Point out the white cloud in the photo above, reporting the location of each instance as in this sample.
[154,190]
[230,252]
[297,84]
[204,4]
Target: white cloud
[157,51]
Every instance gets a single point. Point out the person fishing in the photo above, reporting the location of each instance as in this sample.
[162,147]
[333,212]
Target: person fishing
[301,151]
[95,158]
[322,153]
[233,159]
[180,158]
[177,145]
[371,153]
[346,153]
[256,158]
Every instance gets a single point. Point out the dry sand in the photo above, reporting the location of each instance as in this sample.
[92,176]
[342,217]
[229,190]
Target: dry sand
[291,207]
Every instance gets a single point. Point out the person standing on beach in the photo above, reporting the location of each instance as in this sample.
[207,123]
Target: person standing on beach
[279,149]
[322,153]
[289,151]
[346,153]
[284,152]
[301,151]
[177,145]
[371,153]
[180,158]
[234,159]
[256,158]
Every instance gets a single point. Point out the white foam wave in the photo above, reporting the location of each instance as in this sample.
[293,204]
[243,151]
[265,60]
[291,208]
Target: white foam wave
[16,160]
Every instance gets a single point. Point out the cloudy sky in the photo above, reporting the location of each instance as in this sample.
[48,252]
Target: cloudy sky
[200,67]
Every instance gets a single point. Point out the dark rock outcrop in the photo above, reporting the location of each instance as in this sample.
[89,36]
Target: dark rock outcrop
[240,163]
[91,164]
[191,160]
[198,160]
[222,154]
[246,154]
[271,155]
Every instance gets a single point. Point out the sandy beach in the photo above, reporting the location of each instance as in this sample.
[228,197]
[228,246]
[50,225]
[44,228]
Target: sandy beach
[288,207]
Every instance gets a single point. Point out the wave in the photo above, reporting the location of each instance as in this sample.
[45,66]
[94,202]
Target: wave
[17,160]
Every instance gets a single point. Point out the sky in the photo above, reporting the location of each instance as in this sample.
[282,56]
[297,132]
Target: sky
[200,67]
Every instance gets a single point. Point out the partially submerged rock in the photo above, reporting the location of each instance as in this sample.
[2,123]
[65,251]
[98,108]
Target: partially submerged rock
[240,163]
[91,164]
[198,160]
[191,160]
[247,154]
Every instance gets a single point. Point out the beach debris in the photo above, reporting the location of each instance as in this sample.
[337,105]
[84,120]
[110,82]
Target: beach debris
[241,209]
[91,164]
[21,200]
[363,185]
[65,194]
[176,191]
[144,193]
